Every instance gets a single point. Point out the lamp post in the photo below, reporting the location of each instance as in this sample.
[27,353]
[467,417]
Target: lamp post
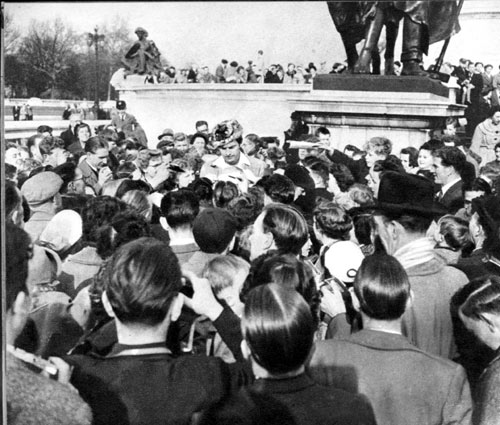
[94,39]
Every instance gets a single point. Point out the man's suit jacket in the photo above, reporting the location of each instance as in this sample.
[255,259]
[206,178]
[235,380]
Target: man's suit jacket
[130,127]
[404,384]
[69,137]
[90,176]
[453,199]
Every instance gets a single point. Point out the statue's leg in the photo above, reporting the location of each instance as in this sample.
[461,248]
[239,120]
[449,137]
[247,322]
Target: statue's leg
[391,31]
[376,62]
[411,56]
[351,52]
[373,31]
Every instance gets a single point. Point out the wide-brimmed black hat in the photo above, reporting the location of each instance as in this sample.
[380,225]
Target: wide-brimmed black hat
[402,193]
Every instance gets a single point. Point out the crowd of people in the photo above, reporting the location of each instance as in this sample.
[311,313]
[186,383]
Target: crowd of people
[223,277]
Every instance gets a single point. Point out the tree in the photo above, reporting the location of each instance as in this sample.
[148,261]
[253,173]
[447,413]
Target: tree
[47,51]
[11,34]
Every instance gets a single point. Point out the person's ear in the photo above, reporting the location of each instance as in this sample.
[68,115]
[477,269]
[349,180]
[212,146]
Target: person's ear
[355,300]
[409,301]
[176,308]
[107,304]
[245,350]
[21,304]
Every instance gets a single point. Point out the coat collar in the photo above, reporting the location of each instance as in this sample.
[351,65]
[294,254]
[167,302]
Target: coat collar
[286,385]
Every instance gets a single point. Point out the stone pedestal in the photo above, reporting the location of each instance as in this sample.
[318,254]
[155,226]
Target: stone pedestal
[358,107]
[354,107]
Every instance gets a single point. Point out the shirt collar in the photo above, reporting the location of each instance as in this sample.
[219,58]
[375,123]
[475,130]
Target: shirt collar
[447,186]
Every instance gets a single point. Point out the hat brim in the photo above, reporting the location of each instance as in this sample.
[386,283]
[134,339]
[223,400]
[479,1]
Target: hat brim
[434,210]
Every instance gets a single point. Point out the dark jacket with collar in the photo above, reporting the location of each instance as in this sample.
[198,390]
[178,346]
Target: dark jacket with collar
[310,403]
[453,199]
[149,388]
[404,384]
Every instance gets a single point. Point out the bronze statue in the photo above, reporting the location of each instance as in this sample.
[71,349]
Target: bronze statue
[425,23]
[143,57]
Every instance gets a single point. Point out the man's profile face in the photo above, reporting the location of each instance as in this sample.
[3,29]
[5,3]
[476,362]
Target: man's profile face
[441,171]
[99,159]
[230,152]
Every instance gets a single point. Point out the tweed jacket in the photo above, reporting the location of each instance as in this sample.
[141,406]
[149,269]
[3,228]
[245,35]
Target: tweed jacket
[404,384]
[427,322]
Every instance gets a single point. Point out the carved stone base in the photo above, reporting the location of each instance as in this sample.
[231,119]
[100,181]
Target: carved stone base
[358,107]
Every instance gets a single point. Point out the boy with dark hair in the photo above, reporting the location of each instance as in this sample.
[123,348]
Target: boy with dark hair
[180,208]
[140,381]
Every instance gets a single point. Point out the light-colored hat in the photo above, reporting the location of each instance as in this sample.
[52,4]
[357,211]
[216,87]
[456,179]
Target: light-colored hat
[62,231]
[41,187]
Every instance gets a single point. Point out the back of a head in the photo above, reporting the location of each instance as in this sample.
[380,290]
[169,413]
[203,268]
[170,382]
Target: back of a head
[140,202]
[278,327]
[333,221]
[180,207]
[379,145]
[97,212]
[222,270]
[224,192]
[382,287]
[288,227]
[286,270]
[279,188]
[128,184]
[17,254]
[484,299]
[141,280]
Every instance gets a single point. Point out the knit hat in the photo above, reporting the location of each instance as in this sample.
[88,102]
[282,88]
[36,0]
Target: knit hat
[213,230]
[300,176]
[41,187]
[62,231]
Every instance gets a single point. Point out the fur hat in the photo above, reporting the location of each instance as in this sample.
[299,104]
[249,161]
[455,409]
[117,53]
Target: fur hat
[227,131]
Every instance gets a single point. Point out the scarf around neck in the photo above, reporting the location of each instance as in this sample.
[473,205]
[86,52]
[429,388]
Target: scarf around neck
[417,252]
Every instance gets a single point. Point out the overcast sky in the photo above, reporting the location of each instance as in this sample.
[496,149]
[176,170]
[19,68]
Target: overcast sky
[205,32]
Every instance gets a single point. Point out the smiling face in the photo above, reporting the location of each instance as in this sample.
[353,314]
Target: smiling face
[83,134]
[231,152]
[425,159]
